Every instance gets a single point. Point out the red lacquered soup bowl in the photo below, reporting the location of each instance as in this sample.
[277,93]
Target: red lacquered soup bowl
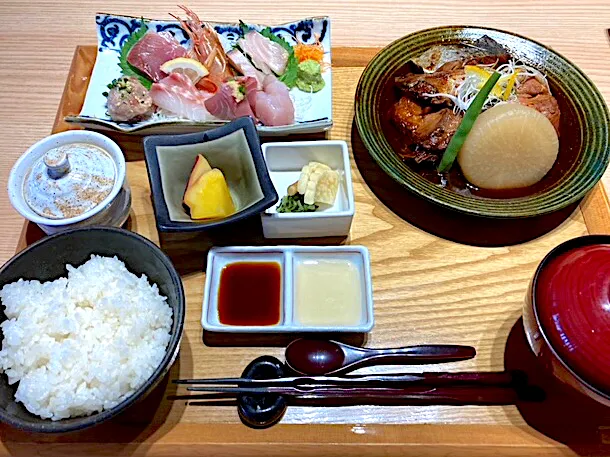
[567,314]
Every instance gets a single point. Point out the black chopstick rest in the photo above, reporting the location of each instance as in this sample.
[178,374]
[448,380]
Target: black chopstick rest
[262,410]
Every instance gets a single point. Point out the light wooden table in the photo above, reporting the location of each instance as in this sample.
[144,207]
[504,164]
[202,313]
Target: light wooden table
[34,66]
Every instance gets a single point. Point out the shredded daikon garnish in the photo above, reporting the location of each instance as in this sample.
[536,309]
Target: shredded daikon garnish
[512,75]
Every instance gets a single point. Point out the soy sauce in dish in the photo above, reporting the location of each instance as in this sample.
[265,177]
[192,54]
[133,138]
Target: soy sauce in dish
[569,146]
[250,294]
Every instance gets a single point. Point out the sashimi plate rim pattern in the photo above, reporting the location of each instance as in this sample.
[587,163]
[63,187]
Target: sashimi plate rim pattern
[313,111]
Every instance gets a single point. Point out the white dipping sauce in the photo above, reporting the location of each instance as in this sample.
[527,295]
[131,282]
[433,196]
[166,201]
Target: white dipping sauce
[328,293]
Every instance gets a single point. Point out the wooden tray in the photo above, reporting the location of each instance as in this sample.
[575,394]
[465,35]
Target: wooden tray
[426,290]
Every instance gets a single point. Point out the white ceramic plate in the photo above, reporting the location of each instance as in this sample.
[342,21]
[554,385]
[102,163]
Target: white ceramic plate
[313,112]
[287,257]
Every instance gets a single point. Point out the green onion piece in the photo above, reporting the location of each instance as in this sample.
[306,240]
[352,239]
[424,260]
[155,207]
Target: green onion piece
[463,130]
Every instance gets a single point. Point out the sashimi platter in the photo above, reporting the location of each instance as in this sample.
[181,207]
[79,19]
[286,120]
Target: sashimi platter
[184,75]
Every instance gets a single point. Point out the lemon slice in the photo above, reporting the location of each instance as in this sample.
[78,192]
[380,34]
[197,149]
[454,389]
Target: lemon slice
[191,68]
[483,75]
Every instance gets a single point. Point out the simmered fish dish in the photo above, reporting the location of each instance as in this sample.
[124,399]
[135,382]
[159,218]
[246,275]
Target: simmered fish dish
[444,91]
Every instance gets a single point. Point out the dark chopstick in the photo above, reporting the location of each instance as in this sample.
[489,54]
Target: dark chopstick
[444,395]
[318,391]
[491,378]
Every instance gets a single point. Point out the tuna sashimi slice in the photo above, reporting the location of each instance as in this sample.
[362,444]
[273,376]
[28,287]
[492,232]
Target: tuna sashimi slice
[152,51]
[231,102]
[177,94]
[273,105]
[268,56]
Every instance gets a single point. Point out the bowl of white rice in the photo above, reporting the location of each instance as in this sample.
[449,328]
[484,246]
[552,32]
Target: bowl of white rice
[90,321]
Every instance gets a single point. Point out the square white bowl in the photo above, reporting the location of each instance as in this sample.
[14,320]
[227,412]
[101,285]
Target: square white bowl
[286,256]
[284,162]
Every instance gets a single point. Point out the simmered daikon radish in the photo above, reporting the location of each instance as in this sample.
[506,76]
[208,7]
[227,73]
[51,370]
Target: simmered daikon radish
[509,146]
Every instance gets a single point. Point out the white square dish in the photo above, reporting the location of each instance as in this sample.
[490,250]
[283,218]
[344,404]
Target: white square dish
[284,162]
[290,258]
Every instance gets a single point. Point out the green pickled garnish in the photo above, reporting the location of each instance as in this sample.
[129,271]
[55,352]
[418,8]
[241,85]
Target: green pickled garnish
[295,204]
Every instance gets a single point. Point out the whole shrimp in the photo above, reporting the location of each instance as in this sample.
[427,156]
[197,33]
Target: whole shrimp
[207,48]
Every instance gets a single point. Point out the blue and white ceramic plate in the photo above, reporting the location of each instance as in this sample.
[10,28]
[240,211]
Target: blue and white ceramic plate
[313,112]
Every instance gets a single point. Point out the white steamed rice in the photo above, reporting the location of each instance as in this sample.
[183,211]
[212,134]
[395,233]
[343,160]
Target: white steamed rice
[82,344]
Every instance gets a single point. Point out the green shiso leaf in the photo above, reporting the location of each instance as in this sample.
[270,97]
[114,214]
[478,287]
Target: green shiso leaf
[126,68]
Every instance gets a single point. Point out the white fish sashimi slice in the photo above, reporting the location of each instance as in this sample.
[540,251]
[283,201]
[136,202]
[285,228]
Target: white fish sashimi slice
[273,105]
[259,61]
[242,63]
[177,94]
[270,57]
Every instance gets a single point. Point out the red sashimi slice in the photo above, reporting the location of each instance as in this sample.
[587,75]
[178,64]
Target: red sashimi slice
[177,94]
[152,51]
[225,104]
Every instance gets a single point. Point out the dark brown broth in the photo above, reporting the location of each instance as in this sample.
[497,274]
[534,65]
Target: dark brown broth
[569,147]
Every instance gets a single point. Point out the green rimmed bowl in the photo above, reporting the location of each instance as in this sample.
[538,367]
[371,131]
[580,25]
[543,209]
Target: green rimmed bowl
[584,148]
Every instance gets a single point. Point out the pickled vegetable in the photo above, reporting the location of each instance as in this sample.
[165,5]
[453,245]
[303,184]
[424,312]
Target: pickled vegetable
[318,183]
[209,197]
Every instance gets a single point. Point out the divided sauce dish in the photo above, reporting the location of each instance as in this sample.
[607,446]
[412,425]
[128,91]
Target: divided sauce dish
[346,307]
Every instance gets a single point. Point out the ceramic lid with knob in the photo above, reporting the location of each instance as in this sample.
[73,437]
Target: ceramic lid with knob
[69,180]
